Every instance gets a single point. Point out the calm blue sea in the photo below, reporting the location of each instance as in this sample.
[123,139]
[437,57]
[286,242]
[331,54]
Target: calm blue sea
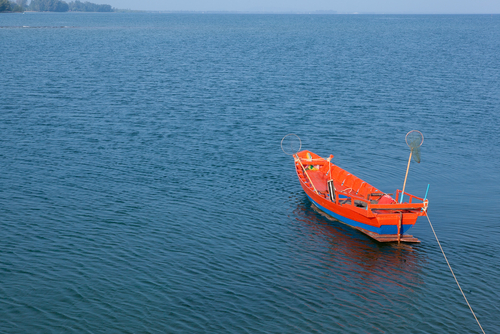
[143,188]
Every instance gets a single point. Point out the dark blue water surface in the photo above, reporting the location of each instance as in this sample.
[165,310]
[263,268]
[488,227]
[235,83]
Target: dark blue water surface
[143,188]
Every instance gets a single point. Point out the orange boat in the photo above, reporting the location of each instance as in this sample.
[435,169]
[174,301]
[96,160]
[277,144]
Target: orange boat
[357,203]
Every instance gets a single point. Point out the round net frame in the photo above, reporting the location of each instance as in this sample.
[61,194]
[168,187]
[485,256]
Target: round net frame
[291,144]
[414,139]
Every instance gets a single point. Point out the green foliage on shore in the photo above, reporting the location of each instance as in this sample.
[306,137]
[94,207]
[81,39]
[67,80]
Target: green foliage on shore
[48,6]
[53,6]
[4,6]
[10,6]
[77,6]
[61,6]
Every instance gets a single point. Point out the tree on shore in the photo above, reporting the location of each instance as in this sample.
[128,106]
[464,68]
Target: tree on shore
[77,6]
[53,6]
[4,6]
[48,6]
[11,6]
[61,6]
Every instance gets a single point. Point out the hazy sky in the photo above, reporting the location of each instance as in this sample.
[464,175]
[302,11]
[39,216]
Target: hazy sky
[381,6]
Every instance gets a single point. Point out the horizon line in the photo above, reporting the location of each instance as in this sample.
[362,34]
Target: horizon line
[311,12]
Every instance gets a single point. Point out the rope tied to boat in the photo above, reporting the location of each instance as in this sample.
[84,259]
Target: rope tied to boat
[449,266]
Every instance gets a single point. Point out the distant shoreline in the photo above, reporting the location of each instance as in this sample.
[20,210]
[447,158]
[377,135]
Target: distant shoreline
[243,12]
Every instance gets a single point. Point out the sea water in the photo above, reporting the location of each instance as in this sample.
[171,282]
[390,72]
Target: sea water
[143,188]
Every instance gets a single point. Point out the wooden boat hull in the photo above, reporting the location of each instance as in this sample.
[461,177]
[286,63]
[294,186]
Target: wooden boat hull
[381,234]
[386,222]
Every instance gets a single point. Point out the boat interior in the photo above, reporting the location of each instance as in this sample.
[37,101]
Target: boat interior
[347,188]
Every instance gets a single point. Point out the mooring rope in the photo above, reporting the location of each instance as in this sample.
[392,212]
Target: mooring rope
[442,251]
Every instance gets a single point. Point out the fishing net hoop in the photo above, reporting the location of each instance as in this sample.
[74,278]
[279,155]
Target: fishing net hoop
[291,151]
[414,139]
[414,131]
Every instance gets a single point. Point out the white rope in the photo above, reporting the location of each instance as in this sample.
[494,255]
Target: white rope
[454,274]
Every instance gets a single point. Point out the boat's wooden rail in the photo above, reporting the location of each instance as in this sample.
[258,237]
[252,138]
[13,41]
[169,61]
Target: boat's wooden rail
[365,207]
[402,206]
[410,196]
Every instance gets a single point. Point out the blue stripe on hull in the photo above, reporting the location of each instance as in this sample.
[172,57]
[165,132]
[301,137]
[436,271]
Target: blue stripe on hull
[384,229]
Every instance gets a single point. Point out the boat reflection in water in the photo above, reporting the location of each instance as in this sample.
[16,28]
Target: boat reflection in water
[355,270]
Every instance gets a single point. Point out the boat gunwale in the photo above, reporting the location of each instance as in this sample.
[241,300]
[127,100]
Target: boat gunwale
[416,208]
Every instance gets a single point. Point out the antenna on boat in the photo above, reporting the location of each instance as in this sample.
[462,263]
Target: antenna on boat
[414,139]
[291,144]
